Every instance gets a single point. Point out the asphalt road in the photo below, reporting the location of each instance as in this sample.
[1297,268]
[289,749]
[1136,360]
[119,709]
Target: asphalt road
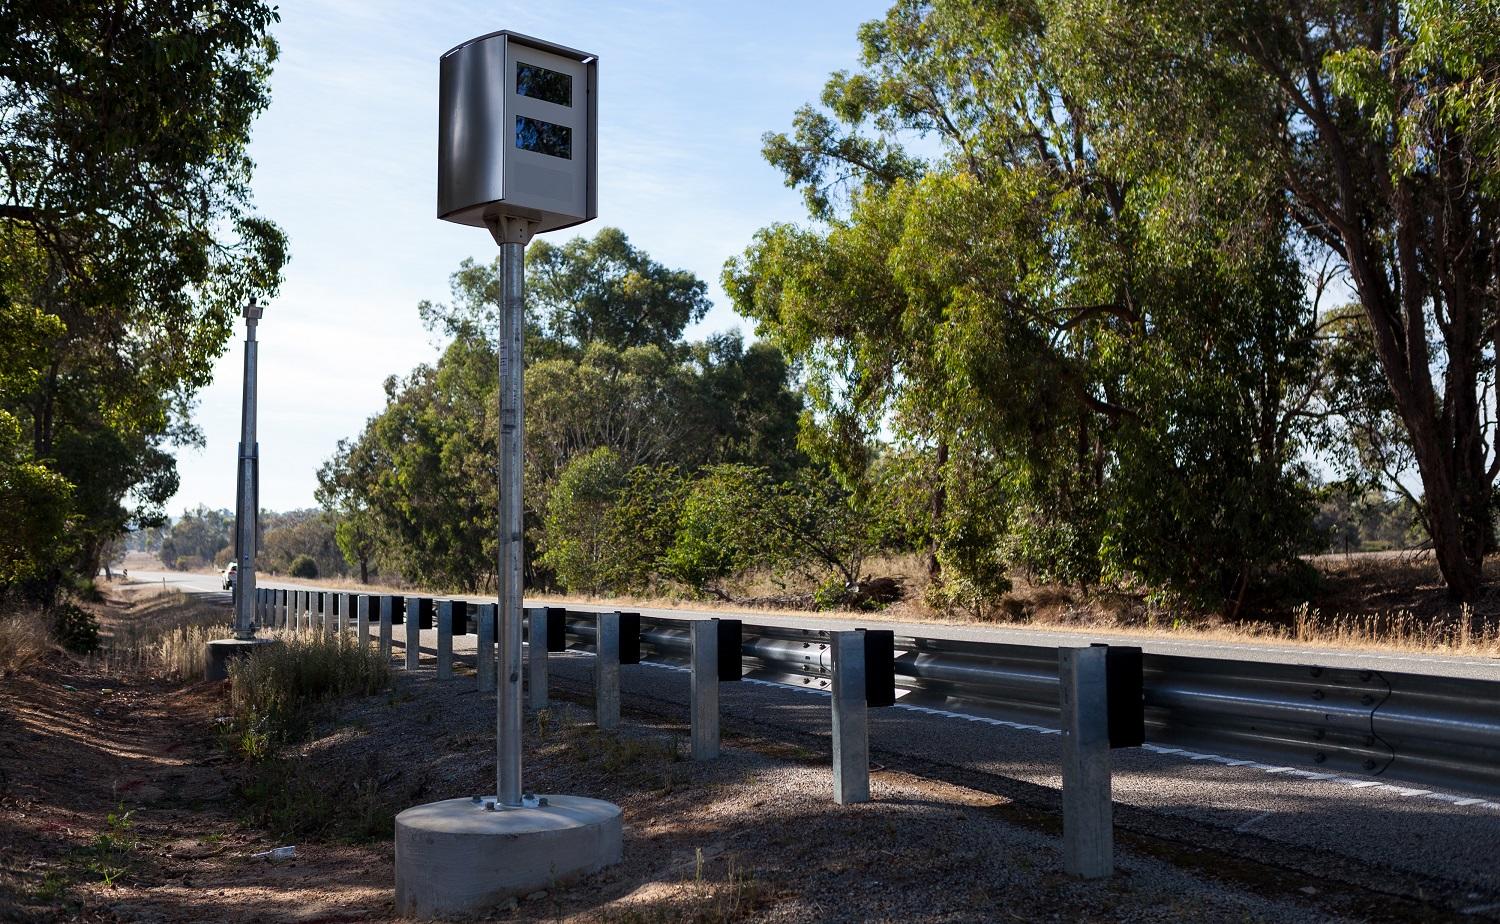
[1359,832]
[1478,668]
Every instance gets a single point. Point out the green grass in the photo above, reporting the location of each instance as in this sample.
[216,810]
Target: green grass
[277,696]
[288,798]
[277,692]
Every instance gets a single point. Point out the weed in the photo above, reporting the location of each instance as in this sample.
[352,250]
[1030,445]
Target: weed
[701,900]
[290,799]
[75,628]
[168,633]
[108,855]
[53,887]
[275,693]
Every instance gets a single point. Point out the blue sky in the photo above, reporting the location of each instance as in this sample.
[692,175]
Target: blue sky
[346,164]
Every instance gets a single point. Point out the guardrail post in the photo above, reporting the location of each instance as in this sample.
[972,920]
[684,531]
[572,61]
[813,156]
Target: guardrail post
[445,640]
[327,606]
[1088,837]
[484,658]
[299,609]
[705,689]
[413,632]
[607,672]
[362,621]
[851,720]
[340,612]
[387,617]
[536,655]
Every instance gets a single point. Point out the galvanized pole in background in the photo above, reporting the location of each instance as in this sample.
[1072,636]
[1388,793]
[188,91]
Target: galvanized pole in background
[247,510]
[512,234]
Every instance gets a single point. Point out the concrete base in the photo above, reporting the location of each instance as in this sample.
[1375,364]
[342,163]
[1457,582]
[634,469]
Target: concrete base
[222,651]
[456,857]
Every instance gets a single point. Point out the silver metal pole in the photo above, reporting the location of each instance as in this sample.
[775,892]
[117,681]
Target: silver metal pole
[413,633]
[512,234]
[1088,832]
[536,647]
[484,647]
[607,671]
[704,689]
[851,720]
[445,640]
[362,621]
[387,604]
[244,589]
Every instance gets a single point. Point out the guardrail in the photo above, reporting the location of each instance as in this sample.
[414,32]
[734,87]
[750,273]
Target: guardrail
[1433,731]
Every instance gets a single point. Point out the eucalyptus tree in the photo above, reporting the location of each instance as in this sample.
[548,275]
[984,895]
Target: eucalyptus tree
[126,216]
[1373,125]
[1098,392]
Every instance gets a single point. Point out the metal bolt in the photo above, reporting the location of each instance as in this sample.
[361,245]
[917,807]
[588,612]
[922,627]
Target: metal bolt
[1317,671]
[1319,757]
[489,805]
[1366,676]
[1317,694]
[1367,699]
[1369,764]
[475,799]
[1320,734]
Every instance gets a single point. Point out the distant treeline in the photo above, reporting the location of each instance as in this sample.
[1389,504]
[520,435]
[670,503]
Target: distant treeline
[203,537]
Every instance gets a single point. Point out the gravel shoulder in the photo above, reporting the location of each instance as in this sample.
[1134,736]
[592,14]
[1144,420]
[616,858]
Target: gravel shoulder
[753,836]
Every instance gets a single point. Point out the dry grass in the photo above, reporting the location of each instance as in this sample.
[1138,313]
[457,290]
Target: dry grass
[24,640]
[700,900]
[167,633]
[1385,601]
[275,692]
[1401,629]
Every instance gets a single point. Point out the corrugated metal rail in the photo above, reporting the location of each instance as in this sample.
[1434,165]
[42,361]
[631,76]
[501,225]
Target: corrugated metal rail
[1434,731]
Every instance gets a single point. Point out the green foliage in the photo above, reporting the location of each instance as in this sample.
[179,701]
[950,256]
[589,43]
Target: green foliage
[128,243]
[415,492]
[601,290]
[276,692]
[1048,348]
[578,511]
[288,798]
[720,531]
[641,527]
[34,505]
[737,517]
[75,628]
[1370,128]
[303,566]
[197,537]
[289,536]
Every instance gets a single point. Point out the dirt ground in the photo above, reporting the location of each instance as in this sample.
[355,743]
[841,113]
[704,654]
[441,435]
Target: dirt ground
[119,803]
